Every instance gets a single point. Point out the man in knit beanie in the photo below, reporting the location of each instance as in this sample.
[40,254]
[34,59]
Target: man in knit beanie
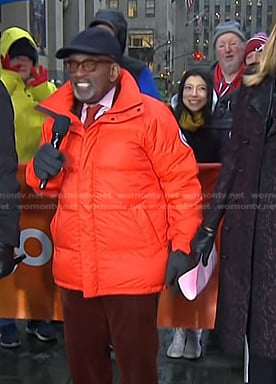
[254,48]
[228,71]
[229,46]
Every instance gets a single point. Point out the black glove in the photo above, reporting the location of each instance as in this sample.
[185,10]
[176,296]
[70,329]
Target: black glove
[178,264]
[6,260]
[202,244]
[48,161]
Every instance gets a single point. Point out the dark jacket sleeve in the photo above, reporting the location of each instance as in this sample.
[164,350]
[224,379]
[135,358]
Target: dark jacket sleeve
[222,121]
[215,211]
[9,185]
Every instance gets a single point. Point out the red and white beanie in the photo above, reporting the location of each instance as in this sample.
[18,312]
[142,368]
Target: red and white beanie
[256,43]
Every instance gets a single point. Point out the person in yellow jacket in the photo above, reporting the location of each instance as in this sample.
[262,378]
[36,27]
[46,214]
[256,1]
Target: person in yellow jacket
[27,85]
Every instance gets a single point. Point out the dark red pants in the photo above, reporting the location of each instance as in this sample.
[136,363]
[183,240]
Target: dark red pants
[128,322]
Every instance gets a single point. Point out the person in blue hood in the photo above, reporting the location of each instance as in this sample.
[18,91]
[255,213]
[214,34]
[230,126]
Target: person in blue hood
[115,22]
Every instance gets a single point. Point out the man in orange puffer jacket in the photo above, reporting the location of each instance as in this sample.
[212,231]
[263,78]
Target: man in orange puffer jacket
[128,191]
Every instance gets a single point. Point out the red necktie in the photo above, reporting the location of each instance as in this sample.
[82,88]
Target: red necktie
[91,113]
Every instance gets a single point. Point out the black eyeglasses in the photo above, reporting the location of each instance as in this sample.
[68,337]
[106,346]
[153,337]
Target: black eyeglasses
[88,65]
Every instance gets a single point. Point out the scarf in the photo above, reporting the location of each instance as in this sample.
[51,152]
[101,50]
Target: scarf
[221,86]
[191,123]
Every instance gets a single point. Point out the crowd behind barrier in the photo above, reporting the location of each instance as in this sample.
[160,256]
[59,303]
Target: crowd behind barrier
[30,293]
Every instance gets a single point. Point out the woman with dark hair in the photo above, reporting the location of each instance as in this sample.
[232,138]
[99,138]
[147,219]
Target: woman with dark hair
[193,109]
[196,100]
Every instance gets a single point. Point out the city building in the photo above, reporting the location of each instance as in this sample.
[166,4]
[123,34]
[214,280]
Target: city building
[169,35]
[253,15]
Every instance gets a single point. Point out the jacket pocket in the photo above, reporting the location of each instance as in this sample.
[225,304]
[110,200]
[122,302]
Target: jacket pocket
[145,224]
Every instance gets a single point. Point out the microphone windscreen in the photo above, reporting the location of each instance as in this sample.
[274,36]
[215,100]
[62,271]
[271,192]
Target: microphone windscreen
[61,125]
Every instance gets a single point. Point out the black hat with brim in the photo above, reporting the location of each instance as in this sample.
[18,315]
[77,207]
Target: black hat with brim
[92,41]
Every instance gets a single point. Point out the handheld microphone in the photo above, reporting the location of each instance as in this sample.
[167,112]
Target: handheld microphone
[19,258]
[60,128]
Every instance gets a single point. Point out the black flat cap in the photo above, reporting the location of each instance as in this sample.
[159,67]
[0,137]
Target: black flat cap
[93,41]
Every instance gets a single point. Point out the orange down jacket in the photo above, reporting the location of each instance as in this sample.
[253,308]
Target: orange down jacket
[128,189]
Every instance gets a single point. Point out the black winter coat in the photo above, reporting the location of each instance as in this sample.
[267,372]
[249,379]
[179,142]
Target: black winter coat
[9,185]
[246,195]
[223,118]
[222,122]
[206,143]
